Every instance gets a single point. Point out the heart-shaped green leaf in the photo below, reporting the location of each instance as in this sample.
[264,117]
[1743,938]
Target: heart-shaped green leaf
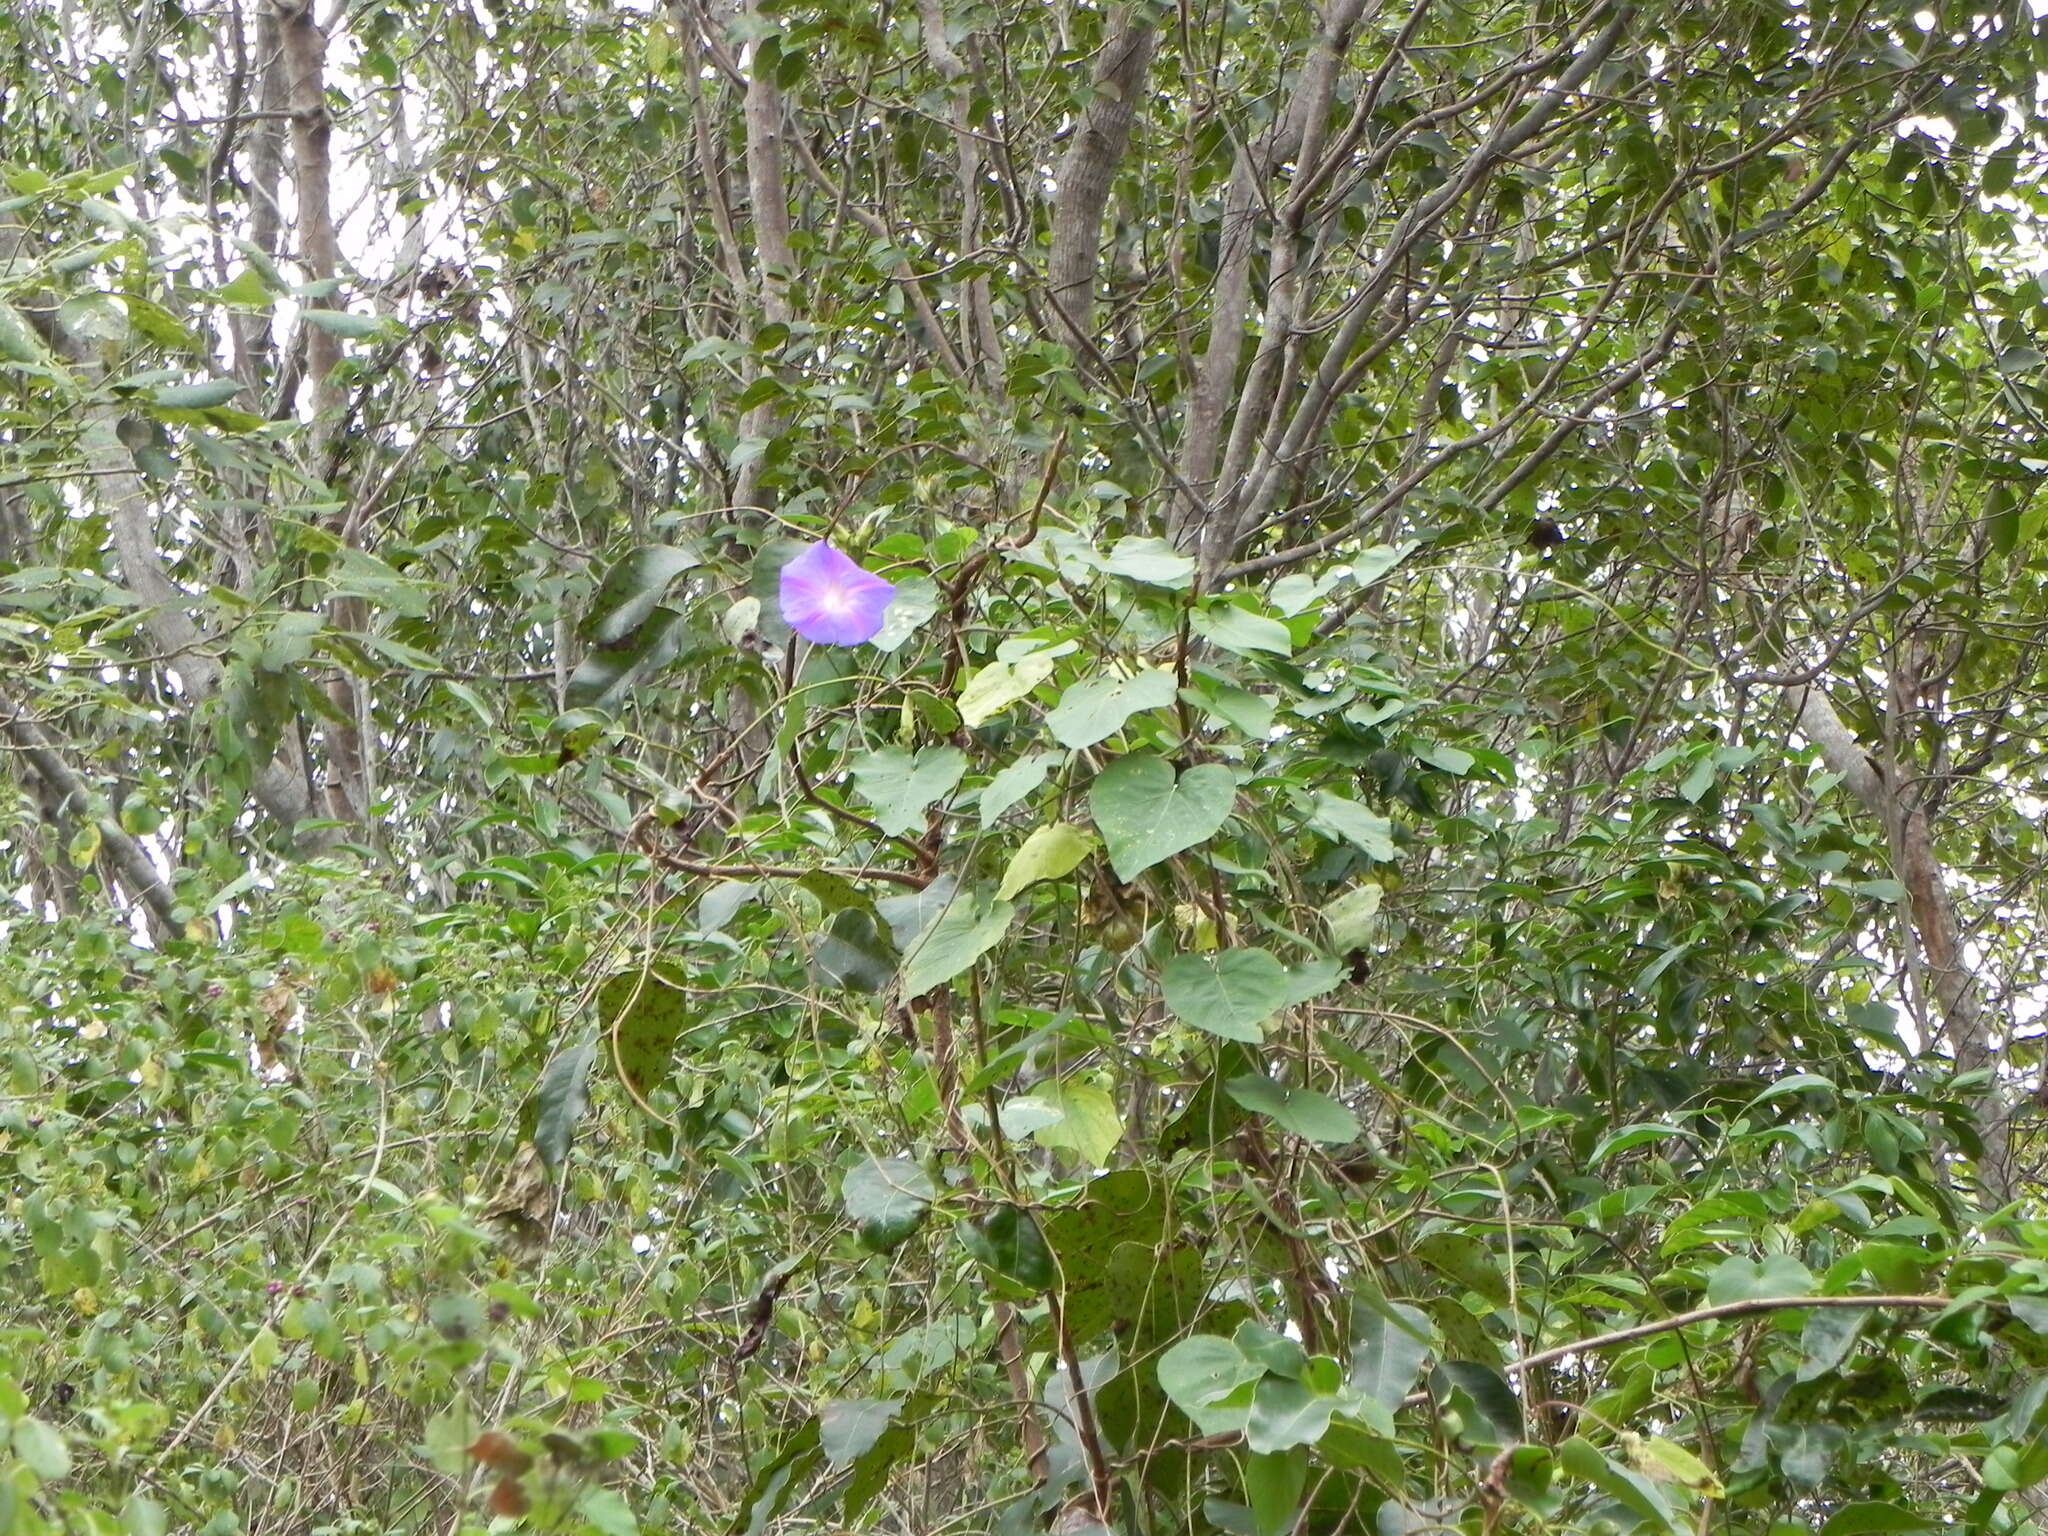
[1147,813]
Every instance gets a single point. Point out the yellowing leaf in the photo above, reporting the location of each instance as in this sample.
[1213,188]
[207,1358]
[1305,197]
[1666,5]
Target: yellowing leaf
[263,1352]
[1086,1122]
[1047,854]
[1666,1461]
[999,685]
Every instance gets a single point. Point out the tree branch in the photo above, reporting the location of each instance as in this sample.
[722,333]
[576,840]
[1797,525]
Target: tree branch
[1089,168]
[73,793]
[1748,1308]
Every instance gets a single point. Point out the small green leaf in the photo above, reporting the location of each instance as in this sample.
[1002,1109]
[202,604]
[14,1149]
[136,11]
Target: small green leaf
[778,1483]
[1078,1117]
[248,291]
[264,1350]
[41,1448]
[606,1510]
[1279,1354]
[1151,561]
[339,322]
[1666,1461]
[1389,1343]
[1303,1112]
[20,342]
[85,845]
[1483,1395]
[1353,918]
[1285,1414]
[855,952]
[1203,1370]
[1048,854]
[999,685]
[143,1516]
[848,1427]
[1826,1340]
[1349,822]
[1007,1242]
[1877,1518]
[886,1198]
[1223,623]
[1466,1261]
[643,1016]
[1628,1138]
[1273,1485]
[560,1099]
[1741,1279]
[607,672]
[198,397]
[1374,563]
[915,603]
[1014,782]
[632,588]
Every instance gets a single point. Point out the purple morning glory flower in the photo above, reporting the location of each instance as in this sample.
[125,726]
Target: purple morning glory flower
[829,599]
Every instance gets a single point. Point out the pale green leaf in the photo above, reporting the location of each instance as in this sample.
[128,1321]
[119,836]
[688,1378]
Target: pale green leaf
[1241,631]
[1078,1117]
[1096,709]
[999,685]
[1147,813]
[848,1427]
[901,785]
[1048,854]
[966,929]
[1348,821]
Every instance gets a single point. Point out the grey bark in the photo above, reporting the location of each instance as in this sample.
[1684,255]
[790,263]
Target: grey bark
[304,44]
[1935,931]
[775,261]
[75,796]
[1088,169]
[1297,132]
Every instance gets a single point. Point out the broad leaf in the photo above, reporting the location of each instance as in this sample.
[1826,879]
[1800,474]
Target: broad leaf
[1285,1414]
[1095,710]
[1147,813]
[1076,1116]
[643,1016]
[1048,853]
[1205,1369]
[632,588]
[1238,629]
[848,1427]
[886,1198]
[1350,822]
[559,1101]
[1150,560]
[1230,994]
[1000,684]
[1014,782]
[1389,1343]
[1304,1112]
[973,923]
[901,785]
[1007,1241]
[1740,1279]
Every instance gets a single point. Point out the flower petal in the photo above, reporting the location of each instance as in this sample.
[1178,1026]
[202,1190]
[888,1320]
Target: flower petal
[828,599]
